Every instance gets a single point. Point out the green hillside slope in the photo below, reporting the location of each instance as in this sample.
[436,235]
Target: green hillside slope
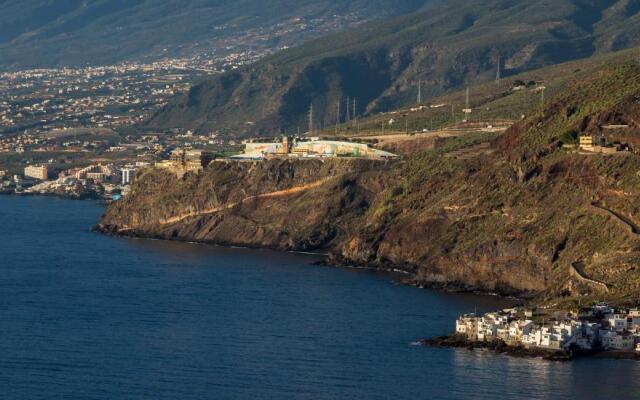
[446,46]
[42,33]
[509,99]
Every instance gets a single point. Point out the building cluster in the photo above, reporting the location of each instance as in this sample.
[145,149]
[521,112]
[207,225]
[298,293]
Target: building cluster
[104,173]
[103,96]
[597,328]
[591,144]
[102,179]
[311,148]
[182,161]
[604,141]
[19,143]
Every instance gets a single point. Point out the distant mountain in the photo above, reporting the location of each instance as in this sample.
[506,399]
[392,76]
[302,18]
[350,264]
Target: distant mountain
[446,46]
[36,33]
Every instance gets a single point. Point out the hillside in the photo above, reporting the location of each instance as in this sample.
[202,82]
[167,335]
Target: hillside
[508,99]
[446,46]
[524,216]
[39,33]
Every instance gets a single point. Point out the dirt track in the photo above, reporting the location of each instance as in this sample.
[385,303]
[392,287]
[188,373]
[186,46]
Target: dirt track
[215,210]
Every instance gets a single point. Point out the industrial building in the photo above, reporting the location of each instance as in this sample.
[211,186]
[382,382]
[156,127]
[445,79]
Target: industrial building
[312,148]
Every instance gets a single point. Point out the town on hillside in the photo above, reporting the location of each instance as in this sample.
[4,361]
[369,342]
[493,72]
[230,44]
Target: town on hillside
[592,329]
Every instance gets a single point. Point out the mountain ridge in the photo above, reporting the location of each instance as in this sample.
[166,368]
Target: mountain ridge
[446,46]
[40,33]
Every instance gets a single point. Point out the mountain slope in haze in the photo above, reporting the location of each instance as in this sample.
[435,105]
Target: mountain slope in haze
[379,64]
[43,33]
[508,99]
[524,215]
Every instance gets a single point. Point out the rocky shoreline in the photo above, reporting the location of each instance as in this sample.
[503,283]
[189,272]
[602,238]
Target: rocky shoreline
[454,340]
[500,347]
[67,196]
[406,277]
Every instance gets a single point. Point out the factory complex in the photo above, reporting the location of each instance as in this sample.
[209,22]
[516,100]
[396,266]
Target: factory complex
[311,148]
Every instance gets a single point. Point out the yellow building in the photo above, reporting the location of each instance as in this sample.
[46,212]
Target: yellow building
[40,172]
[586,143]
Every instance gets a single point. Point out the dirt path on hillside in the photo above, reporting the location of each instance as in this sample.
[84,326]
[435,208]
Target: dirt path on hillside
[215,210]
[577,270]
[404,137]
[627,222]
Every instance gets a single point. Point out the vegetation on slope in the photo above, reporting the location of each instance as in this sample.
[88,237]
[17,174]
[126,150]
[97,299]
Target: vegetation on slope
[447,46]
[509,99]
[530,217]
[526,214]
[38,33]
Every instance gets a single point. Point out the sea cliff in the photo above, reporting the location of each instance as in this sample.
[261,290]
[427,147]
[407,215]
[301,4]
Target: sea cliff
[517,214]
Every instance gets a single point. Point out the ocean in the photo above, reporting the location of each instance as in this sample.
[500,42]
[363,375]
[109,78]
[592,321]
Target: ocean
[88,316]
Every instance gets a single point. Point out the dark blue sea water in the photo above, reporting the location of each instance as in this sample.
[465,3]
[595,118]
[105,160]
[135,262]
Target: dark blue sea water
[85,316]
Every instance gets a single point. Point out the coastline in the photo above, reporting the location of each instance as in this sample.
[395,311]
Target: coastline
[453,340]
[407,278]
[500,347]
[66,196]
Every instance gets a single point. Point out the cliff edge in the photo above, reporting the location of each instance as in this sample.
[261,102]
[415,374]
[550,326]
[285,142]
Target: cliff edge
[520,214]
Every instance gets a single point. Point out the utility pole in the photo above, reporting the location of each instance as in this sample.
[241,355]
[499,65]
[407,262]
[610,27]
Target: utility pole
[467,100]
[467,110]
[311,119]
[355,116]
[348,115]
[499,72]
[419,91]
[337,116]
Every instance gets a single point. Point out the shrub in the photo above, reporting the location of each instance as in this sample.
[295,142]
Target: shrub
[569,137]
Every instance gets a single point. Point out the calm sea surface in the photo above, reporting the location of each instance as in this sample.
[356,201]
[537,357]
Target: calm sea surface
[85,316]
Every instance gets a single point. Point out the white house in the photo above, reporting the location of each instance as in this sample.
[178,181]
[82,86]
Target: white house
[467,325]
[612,340]
[518,329]
[618,322]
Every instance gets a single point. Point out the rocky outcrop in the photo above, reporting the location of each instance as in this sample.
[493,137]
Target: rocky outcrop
[281,204]
[512,220]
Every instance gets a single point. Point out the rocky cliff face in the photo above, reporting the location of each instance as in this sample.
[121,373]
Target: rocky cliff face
[518,215]
[282,204]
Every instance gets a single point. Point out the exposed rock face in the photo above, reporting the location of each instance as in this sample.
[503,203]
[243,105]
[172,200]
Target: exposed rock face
[282,204]
[515,220]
